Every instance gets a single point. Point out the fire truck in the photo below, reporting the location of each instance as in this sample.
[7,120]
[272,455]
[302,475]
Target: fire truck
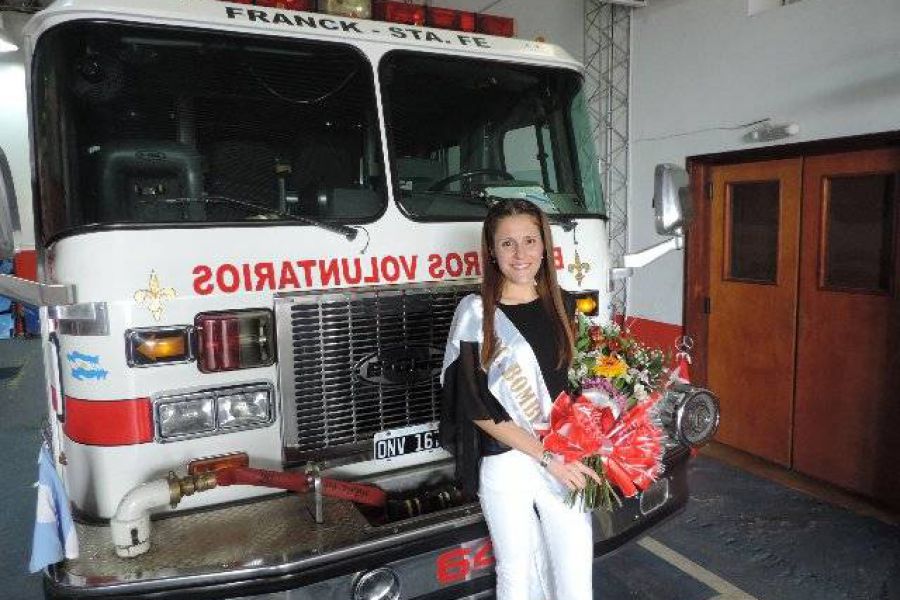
[253,225]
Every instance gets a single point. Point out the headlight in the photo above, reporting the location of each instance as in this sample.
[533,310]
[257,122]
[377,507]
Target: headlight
[208,412]
[243,408]
[690,414]
[186,417]
[380,584]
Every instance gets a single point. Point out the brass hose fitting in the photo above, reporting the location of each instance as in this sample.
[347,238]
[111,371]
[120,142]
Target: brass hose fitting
[179,487]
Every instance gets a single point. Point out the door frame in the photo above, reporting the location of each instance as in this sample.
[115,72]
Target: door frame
[696,260]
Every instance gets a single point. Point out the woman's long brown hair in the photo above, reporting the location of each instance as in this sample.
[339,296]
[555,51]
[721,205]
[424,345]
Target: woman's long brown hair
[547,287]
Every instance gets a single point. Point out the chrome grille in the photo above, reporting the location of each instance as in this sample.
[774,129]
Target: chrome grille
[355,362]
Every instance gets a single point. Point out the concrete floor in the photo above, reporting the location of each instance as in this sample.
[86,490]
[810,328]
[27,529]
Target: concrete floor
[755,532]
[22,408]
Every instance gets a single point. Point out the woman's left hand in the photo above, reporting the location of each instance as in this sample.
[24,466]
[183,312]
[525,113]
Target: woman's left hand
[573,475]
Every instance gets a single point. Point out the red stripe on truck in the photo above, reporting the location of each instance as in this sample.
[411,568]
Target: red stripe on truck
[25,264]
[109,422]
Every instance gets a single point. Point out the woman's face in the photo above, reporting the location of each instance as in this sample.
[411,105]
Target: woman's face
[518,248]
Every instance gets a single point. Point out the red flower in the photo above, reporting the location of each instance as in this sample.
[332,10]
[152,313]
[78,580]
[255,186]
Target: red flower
[595,334]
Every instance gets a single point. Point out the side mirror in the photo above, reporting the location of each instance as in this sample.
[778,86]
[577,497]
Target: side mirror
[671,199]
[672,205]
[9,213]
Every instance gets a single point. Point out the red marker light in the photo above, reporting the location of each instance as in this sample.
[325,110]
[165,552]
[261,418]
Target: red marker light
[220,345]
[494,25]
[394,11]
[448,18]
[234,340]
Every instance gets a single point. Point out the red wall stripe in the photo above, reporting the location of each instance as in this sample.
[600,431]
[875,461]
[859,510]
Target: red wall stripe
[654,334]
[109,422]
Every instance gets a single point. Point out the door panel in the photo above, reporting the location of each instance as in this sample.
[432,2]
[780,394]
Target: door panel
[847,411]
[754,230]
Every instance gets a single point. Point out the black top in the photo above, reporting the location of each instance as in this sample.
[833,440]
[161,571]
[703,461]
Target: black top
[466,396]
[531,320]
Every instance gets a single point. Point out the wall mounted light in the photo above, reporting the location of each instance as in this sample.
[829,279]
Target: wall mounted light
[769,132]
[6,42]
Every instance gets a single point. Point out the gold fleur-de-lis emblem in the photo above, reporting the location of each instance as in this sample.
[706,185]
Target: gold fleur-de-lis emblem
[579,269]
[153,298]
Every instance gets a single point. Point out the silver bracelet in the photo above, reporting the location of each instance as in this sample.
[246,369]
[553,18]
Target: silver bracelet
[546,458]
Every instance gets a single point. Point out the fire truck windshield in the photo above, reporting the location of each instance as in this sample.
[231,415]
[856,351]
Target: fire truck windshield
[463,132]
[139,125]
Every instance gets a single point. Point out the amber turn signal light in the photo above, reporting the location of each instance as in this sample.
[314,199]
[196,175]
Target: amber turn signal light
[587,303]
[154,346]
[217,463]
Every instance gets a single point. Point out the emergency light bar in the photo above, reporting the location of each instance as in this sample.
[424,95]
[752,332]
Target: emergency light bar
[360,9]
[393,11]
[448,18]
[399,11]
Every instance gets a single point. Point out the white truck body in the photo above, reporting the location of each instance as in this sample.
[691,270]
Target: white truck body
[156,267]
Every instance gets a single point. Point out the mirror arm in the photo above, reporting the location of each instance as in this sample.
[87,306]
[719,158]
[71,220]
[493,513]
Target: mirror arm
[648,255]
[36,294]
[645,257]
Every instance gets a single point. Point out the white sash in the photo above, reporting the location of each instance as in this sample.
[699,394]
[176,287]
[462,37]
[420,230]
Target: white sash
[514,376]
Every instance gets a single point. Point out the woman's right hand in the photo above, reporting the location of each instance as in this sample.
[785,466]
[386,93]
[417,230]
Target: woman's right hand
[573,475]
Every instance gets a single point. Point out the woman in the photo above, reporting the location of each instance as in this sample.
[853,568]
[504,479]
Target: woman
[507,358]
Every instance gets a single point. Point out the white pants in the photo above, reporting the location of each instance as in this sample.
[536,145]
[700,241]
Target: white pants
[543,548]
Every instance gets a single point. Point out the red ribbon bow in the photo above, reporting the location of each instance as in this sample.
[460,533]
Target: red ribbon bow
[631,446]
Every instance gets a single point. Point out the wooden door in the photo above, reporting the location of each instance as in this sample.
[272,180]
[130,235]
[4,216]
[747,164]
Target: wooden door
[847,411]
[754,229]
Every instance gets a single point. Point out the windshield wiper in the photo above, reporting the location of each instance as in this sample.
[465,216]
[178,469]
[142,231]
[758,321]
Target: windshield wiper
[346,231]
[567,223]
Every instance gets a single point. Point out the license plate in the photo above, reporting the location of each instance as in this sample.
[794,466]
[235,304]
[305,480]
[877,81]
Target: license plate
[404,441]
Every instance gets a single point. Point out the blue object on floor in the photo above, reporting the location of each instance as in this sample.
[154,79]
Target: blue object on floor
[7,326]
[6,268]
[32,319]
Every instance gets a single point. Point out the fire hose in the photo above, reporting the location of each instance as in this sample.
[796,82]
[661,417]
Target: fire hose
[302,483]
[130,526]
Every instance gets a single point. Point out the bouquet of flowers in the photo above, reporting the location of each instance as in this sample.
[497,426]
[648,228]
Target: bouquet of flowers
[611,425]
[607,359]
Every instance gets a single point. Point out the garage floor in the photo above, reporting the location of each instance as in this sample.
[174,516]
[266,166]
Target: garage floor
[744,537]
[747,532]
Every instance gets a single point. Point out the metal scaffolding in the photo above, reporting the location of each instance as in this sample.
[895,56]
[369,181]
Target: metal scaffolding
[607,54]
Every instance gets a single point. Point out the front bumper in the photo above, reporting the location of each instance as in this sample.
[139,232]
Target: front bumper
[273,548]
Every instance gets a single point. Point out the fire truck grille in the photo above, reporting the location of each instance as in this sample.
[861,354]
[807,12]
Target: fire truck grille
[356,362]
